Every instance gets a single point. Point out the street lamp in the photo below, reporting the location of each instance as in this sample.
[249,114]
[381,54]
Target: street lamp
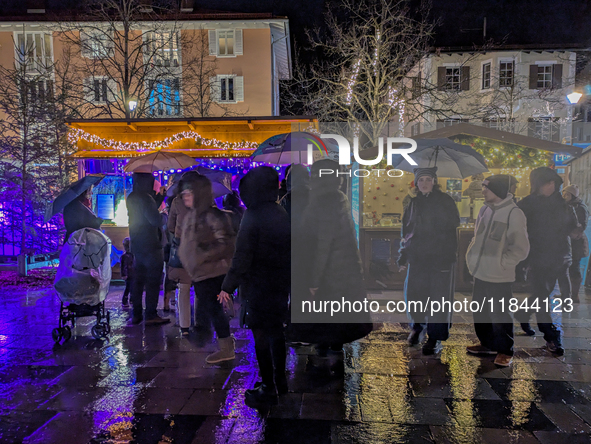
[132,105]
[572,99]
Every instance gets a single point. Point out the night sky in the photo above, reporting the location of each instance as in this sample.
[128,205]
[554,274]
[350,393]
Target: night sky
[513,22]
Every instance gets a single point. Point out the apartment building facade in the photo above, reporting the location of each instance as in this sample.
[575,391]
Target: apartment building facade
[246,55]
[518,90]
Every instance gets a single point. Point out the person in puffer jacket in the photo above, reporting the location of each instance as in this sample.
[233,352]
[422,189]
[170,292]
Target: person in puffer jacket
[500,242]
[206,250]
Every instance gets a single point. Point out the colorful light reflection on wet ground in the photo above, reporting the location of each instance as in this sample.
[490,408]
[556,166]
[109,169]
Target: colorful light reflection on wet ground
[149,385]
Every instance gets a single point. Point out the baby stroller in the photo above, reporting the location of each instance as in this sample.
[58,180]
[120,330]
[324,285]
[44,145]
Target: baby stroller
[82,282]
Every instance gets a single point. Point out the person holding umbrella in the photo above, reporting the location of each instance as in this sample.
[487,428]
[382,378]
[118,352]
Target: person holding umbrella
[146,245]
[78,215]
[428,251]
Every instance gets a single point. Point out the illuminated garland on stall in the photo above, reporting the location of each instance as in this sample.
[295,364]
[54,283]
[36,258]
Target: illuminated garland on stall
[498,155]
[215,144]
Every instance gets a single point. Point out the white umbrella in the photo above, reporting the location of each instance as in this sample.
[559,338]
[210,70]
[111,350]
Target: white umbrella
[159,161]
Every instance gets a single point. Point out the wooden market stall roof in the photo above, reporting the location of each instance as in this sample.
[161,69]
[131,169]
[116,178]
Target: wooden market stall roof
[466,129]
[196,137]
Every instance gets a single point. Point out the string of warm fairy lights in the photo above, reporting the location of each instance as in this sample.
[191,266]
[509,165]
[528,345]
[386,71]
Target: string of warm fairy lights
[117,145]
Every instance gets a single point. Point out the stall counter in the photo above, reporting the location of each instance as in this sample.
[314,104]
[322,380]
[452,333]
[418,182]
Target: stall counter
[379,251]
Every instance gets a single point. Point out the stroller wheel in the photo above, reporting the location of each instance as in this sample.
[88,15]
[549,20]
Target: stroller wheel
[97,331]
[56,334]
[67,333]
[106,328]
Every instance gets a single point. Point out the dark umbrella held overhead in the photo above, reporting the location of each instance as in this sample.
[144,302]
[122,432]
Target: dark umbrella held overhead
[70,194]
[288,148]
[451,159]
[221,182]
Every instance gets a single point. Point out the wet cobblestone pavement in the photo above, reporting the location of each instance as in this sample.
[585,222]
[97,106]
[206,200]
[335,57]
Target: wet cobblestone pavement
[149,385]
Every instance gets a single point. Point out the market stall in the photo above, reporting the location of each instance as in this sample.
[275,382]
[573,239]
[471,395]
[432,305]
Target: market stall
[382,197]
[105,146]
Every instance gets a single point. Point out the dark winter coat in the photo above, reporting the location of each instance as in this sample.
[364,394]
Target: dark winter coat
[335,262]
[127,265]
[329,255]
[261,263]
[429,233]
[550,220]
[579,241]
[78,216]
[144,219]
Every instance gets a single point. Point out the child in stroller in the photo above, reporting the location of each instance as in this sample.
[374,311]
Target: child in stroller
[82,282]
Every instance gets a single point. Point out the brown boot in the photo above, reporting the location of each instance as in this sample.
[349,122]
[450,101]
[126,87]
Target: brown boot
[225,353]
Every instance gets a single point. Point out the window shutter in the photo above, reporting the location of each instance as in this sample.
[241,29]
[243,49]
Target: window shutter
[111,90]
[85,45]
[441,78]
[239,88]
[238,42]
[533,76]
[88,89]
[213,42]
[557,76]
[465,78]
[214,89]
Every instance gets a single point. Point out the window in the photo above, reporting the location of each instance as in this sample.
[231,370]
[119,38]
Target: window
[99,90]
[96,44]
[544,76]
[36,91]
[34,50]
[506,71]
[545,128]
[486,76]
[227,88]
[164,48]
[416,84]
[415,130]
[452,79]
[165,97]
[225,42]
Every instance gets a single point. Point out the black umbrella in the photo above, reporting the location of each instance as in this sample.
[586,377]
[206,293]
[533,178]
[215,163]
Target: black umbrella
[70,194]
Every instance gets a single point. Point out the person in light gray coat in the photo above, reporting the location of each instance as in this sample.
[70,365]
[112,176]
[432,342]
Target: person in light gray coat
[500,242]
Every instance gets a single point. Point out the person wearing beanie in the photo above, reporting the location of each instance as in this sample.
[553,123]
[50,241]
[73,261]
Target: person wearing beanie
[573,278]
[500,242]
[146,243]
[428,252]
[550,220]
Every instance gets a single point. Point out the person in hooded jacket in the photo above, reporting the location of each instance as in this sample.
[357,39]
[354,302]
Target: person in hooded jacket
[146,243]
[572,279]
[261,267]
[206,249]
[550,220]
[175,271]
[428,247]
[231,203]
[328,261]
[77,215]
